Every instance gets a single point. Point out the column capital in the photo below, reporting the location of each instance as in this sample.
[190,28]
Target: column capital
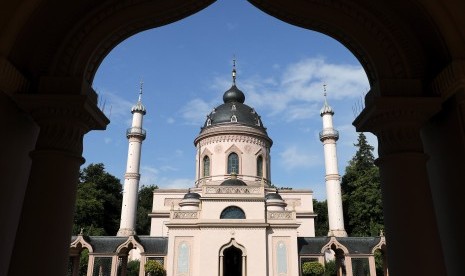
[63,119]
[397,121]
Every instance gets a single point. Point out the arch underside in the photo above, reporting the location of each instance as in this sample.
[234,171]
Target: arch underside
[376,34]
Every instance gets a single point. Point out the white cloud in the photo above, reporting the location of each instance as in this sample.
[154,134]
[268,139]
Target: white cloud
[194,111]
[170,120]
[107,140]
[293,158]
[297,93]
[148,175]
[117,108]
[153,176]
[177,183]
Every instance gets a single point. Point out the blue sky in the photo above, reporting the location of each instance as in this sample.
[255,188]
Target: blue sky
[186,67]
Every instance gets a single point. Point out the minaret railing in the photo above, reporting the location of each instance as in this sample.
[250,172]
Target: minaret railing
[135,131]
[329,133]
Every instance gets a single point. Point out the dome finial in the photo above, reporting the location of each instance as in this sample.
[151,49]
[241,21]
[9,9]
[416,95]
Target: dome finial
[140,89]
[324,93]
[326,108]
[234,70]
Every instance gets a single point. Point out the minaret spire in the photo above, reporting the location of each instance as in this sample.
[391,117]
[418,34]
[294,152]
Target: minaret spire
[140,90]
[234,70]
[135,135]
[329,136]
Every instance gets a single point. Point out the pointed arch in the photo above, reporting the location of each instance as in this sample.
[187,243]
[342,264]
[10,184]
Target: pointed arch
[234,243]
[128,245]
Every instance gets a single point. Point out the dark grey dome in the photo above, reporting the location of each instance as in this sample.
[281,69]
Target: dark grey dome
[233,182]
[190,195]
[233,95]
[234,111]
[273,196]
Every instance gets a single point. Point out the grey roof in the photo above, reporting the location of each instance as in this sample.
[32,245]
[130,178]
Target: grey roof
[233,182]
[311,245]
[191,195]
[154,245]
[355,245]
[359,245]
[234,111]
[109,244]
[273,196]
[106,244]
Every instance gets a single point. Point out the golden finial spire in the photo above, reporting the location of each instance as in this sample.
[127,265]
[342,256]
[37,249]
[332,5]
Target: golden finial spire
[234,70]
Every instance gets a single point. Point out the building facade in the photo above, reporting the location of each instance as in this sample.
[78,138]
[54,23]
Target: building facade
[232,221]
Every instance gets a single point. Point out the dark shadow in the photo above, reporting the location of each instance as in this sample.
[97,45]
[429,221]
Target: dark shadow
[232,262]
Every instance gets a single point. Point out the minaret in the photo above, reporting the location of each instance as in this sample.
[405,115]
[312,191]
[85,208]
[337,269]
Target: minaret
[135,135]
[329,136]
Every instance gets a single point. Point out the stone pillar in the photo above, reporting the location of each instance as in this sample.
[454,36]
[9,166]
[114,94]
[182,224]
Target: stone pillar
[409,215]
[44,230]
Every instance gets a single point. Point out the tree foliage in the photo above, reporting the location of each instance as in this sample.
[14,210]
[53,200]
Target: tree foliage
[98,202]
[361,192]
[144,207]
[154,268]
[312,269]
[321,222]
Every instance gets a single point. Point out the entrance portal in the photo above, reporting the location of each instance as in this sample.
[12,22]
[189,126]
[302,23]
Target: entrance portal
[232,262]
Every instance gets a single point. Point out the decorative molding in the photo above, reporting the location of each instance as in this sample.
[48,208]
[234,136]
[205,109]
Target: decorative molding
[185,214]
[397,121]
[450,79]
[63,119]
[232,190]
[12,80]
[280,215]
[132,176]
[234,138]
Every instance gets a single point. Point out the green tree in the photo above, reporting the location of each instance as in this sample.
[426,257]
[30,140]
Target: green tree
[361,192]
[133,268]
[154,268]
[312,269]
[144,207]
[321,223]
[98,202]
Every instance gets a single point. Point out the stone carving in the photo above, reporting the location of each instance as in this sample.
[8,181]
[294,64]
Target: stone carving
[232,190]
[132,176]
[185,214]
[280,215]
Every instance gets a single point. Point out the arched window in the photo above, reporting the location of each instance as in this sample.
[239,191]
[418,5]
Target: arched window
[233,163]
[232,212]
[260,166]
[206,166]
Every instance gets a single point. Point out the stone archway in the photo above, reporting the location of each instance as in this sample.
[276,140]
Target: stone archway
[412,52]
[232,259]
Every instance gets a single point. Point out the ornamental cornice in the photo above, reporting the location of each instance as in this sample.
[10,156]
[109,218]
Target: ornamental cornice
[397,121]
[63,119]
[450,80]
[233,134]
[12,80]
[243,190]
[235,138]
[280,215]
[132,176]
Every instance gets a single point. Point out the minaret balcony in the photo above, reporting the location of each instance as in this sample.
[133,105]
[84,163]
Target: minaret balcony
[329,133]
[136,132]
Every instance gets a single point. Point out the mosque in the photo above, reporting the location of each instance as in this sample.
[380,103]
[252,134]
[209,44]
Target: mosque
[232,221]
